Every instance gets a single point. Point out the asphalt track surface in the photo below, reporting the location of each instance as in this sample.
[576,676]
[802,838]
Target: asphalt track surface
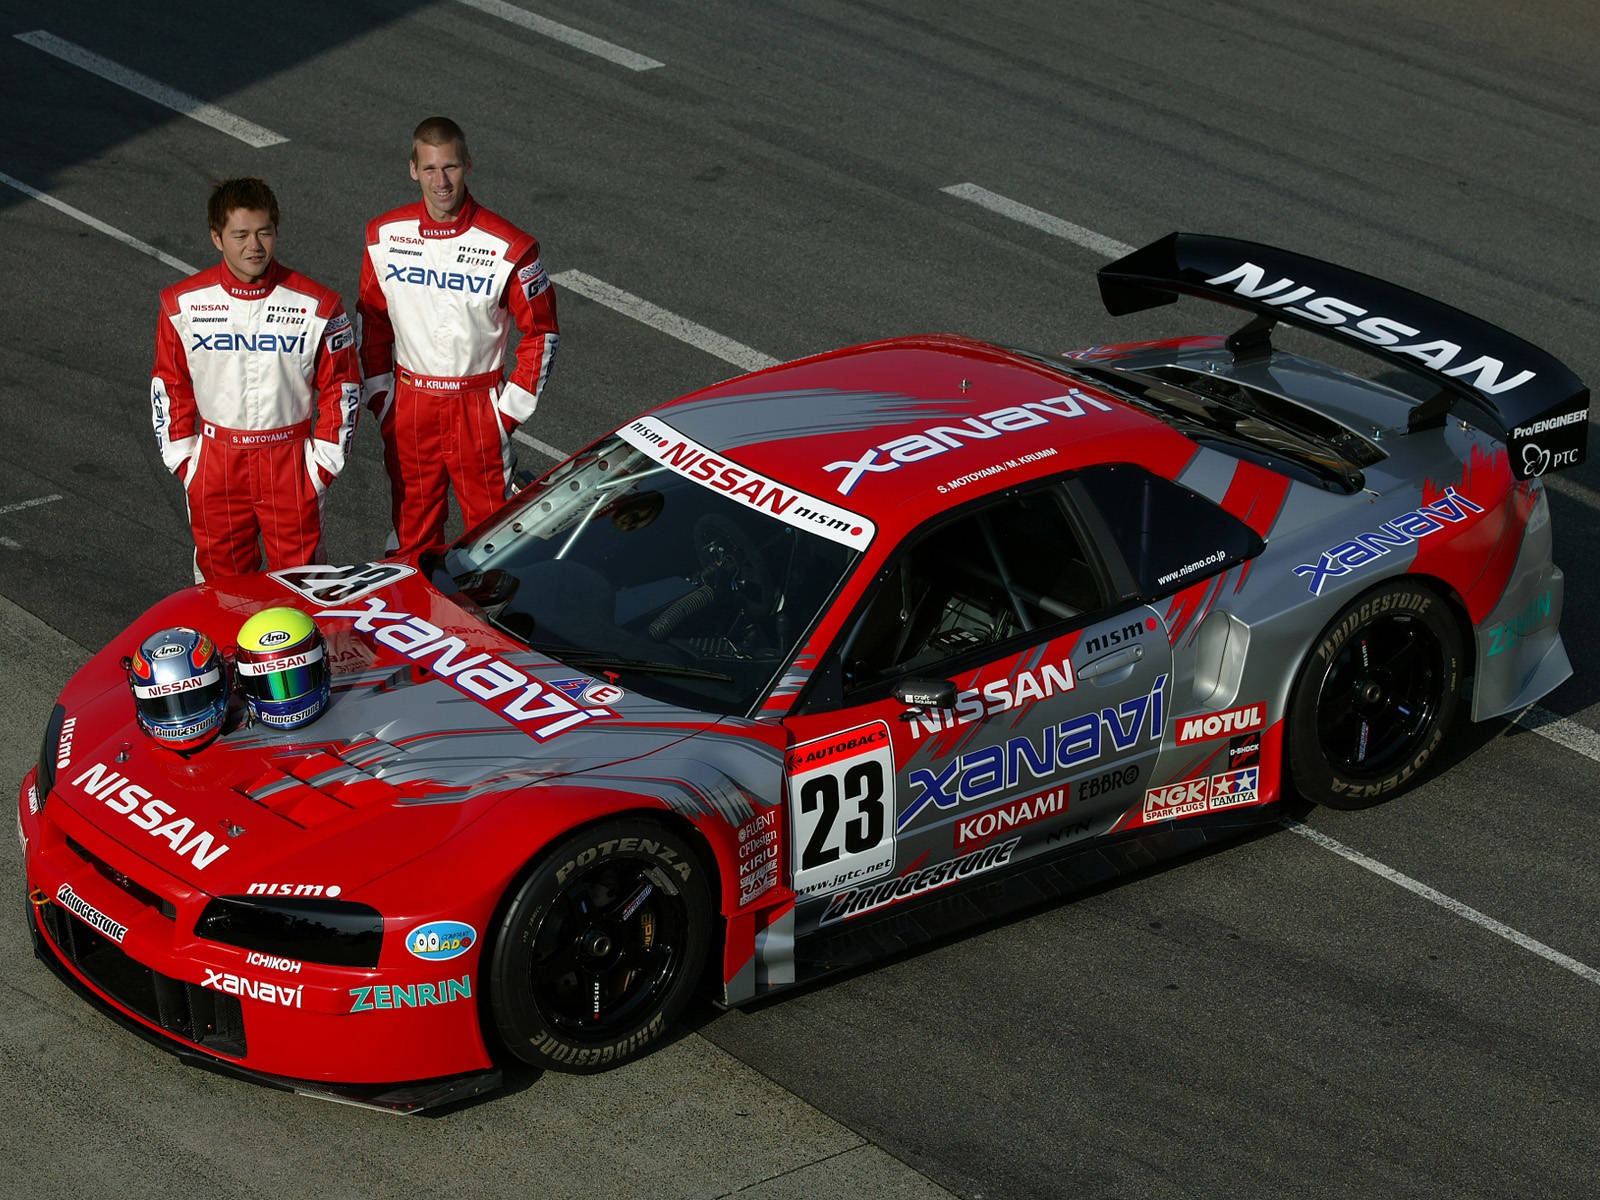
[1273,1019]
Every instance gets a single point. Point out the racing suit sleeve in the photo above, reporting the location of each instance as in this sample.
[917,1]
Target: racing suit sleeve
[532,304]
[374,334]
[172,404]
[337,385]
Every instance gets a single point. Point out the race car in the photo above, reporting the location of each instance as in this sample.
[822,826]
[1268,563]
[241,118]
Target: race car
[799,670]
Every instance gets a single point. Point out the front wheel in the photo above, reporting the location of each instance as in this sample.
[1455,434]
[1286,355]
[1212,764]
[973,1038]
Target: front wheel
[600,947]
[1375,697]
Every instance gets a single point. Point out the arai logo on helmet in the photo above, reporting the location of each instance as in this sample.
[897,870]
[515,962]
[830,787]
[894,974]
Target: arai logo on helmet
[276,637]
[439,940]
[169,650]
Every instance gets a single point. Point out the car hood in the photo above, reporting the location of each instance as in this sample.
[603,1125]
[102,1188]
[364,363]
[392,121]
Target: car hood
[415,745]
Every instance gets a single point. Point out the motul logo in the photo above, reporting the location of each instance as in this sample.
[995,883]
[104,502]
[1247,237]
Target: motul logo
[1221,724]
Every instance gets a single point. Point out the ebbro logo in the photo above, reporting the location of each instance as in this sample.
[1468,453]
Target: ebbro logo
[438,941]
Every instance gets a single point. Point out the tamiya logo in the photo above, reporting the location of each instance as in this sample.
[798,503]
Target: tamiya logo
[934,440]
[89,914]
[1450,509]
[1250,281]
[1177,800]
[1233,788]
[1221,724]
[541,710]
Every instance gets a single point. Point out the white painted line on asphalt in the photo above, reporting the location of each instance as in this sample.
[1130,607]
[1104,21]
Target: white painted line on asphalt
[1087,238]
[545,448]
[649,314]
[1561,730]
[575,38]
[22,504]
[1465,912]
[180,102]
[176,264]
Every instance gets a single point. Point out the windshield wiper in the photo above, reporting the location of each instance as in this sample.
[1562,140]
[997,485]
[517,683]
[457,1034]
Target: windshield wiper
[600,660]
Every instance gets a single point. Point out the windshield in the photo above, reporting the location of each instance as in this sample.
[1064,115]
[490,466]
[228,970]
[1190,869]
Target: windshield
[618,565]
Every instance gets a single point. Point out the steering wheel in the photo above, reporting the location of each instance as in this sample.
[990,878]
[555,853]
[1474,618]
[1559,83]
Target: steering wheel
[731,564]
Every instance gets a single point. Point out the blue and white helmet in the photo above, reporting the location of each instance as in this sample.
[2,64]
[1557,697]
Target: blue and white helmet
[180,687]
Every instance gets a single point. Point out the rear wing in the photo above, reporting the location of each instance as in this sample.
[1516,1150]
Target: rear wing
[1506,386]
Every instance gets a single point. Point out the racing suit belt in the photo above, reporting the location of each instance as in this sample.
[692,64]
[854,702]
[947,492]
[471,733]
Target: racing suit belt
[297,432]
[446,383]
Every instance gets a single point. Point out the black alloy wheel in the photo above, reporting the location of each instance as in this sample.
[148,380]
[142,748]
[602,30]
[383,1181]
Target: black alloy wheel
[600,947]
[1375,698]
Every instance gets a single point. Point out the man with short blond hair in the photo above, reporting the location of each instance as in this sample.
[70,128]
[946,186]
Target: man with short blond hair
[255,393]
[442,282]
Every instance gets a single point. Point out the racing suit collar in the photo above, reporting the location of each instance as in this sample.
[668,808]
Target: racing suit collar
[250,291]
[432,228]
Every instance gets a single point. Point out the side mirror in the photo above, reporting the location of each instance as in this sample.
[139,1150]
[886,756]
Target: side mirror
[924,695]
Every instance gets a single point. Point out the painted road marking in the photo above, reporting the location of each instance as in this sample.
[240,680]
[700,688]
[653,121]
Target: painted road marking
[1087,238]
[671,323]
[180,102]
[22,504]
[176,264]
[1465,912]
[545,448]
[576,38]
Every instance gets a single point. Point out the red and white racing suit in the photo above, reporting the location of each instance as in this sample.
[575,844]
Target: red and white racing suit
[238,366]
[437,304]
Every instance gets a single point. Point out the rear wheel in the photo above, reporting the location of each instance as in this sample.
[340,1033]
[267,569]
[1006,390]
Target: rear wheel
[600,947]
[1375,697]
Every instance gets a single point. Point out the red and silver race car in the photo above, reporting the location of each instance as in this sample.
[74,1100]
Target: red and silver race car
[799,669]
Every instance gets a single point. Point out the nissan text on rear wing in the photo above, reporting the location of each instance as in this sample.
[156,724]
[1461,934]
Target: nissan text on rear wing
[1506,386]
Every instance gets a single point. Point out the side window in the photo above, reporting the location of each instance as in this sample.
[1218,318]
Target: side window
[985,577]
[1170,536]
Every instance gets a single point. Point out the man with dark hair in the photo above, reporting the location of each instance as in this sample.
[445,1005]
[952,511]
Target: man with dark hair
[442,282]
[245,351]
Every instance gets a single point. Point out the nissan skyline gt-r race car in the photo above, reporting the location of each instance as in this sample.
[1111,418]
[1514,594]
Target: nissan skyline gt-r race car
[801,669]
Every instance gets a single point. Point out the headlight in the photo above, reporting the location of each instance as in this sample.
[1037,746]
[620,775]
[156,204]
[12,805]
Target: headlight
[46,779]
[340,933]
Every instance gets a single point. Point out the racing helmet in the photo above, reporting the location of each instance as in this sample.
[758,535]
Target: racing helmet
[282,660]
[180,687]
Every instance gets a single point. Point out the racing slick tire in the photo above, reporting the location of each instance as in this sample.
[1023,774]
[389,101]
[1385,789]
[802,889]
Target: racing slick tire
[1375,697]
[600,947]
